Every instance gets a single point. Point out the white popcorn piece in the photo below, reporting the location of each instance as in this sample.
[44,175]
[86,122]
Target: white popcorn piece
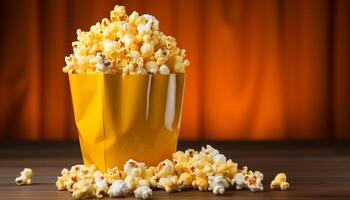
[119,188]
[210,151]
[152,67]
[163,69]
[169,183]
[143,192]
[134,168]
[238,181]
[134,56]
[101,187]
[63,180]
[256,185]
[280,182]
[25,178]
[185,180]
[201,183]
[254,181]
[220,158]
[131,182]
[217,184]
[100,66]
[164,169]
[129,69]
[140,71]
[128,40]
[83,189]
[147,49]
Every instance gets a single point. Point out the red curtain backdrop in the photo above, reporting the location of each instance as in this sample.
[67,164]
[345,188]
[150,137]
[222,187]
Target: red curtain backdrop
[260,69]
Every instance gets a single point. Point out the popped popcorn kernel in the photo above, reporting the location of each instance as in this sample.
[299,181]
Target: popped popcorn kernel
[185,181]
[237,181]
[164,169]
[83,189]
[280,182]
[101,187]
[169,183]
[143,192]
[25,178]
[201,183]
[217,184]
[119,188]
[134,168]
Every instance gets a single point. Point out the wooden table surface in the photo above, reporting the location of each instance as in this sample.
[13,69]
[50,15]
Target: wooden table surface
[315,170]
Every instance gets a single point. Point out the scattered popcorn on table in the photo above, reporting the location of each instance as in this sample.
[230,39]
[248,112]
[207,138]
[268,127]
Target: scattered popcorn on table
[143,192]
[25,178]
[125,45]
[280,182]
[204,170]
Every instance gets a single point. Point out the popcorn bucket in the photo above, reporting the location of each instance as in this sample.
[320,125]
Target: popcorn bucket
[122,117]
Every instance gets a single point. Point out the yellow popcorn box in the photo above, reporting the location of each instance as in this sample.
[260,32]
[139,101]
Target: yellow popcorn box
[122,117]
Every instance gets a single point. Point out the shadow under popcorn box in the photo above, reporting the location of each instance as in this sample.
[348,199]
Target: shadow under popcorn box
[122,117]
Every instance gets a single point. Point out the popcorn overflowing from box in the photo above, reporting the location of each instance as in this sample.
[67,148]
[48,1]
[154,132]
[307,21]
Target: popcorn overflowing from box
[125,45]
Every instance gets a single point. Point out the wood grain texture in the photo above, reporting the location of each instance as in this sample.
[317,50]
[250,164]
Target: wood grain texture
[315,170]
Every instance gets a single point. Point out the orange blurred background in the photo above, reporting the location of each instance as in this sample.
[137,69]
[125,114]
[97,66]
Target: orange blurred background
[260,69]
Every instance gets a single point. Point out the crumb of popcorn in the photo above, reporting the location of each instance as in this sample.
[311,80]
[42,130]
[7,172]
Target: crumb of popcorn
[280,182]
[119,42]
[25,178]
[143,192]
[119,188]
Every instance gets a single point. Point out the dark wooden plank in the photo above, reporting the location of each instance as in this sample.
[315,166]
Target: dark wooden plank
[316,170]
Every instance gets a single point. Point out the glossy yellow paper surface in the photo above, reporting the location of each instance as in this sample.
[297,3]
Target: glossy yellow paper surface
[121,117]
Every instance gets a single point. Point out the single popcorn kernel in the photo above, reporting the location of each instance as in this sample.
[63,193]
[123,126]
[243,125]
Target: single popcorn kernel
[25,178]
[118,189]
[217,184]
[185,181]
[83,189]
[280,182]
[101,187]
[143,192]
[169,183]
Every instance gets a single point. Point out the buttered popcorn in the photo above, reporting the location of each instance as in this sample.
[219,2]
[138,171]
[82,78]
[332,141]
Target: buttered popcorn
[125,45]
[203,170]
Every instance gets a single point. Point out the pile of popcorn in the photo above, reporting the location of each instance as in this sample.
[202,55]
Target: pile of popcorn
[125,45]
[204,170]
